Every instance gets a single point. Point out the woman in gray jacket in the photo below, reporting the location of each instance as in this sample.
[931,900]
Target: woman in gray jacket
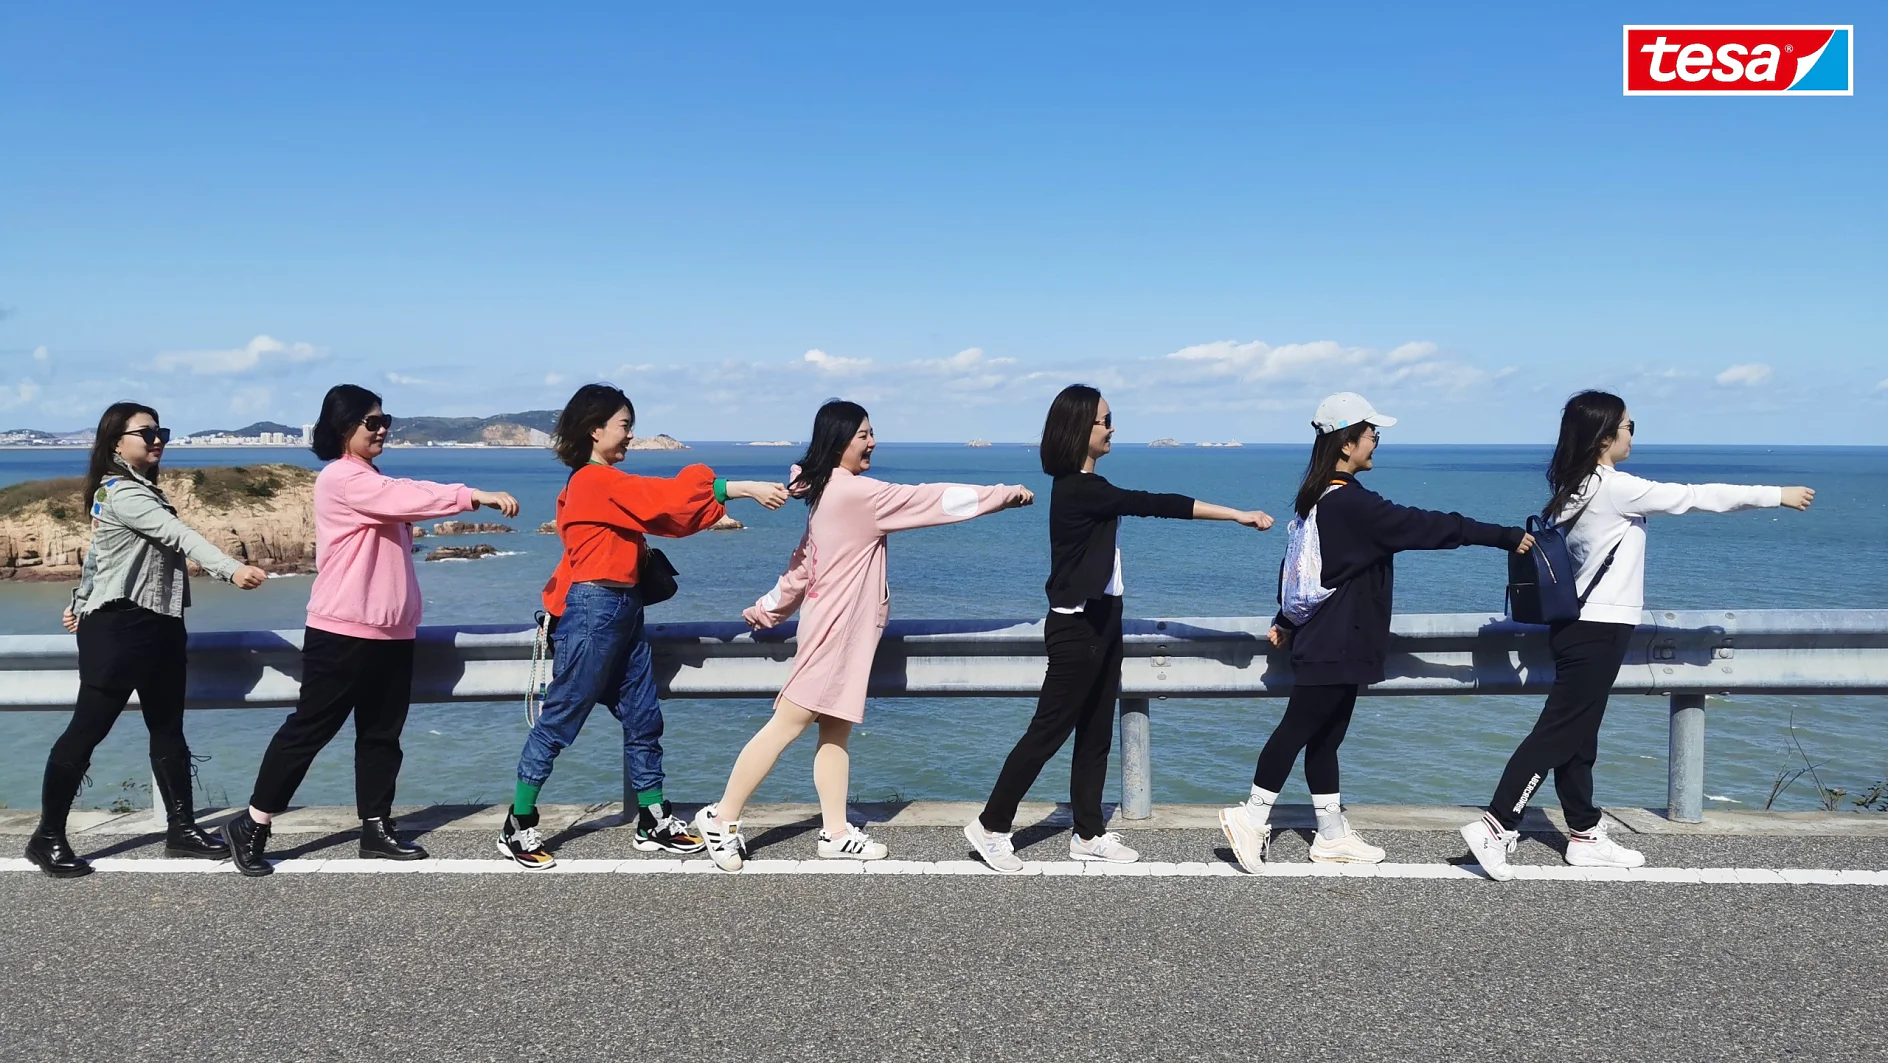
[128,613]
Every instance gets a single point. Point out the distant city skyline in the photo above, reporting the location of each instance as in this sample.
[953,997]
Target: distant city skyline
[1216,215]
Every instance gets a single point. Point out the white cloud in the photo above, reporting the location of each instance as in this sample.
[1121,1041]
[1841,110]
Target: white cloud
[1748,375]
[1323,364]
[835,365]
[11,397]
[249,402]
[399,378]
[254,354]
[1883,386]
[551,380]
[41,354]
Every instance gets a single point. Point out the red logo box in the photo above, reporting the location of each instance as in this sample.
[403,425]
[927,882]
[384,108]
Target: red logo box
[1739,60]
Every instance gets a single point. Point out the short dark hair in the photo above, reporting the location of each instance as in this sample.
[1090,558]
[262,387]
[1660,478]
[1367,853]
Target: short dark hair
[1066,430]
[834,425]
[345,406]
[588,410]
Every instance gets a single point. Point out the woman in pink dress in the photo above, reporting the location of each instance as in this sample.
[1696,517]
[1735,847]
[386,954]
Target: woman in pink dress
[838,572]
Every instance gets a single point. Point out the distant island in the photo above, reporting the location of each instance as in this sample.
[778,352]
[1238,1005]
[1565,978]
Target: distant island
[1228,443]
[657,442]
[1164,441]
[263,515]
[771,443]
[978,443]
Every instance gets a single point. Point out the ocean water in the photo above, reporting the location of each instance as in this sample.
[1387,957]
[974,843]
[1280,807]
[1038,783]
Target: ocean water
[1417,750]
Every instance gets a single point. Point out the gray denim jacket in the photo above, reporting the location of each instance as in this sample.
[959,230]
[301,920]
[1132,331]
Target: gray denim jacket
[139,548]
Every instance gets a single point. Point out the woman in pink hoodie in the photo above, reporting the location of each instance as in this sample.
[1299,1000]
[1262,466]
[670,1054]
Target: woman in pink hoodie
[363,614]
[838,571]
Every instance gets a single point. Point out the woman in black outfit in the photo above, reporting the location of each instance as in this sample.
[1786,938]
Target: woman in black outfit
[1341,647]
[1083,630]
[129,616]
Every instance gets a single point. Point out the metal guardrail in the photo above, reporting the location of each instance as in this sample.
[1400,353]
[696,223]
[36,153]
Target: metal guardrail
[1684,655]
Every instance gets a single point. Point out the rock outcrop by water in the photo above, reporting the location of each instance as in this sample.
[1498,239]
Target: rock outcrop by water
[263,515]
[470,527]
[657,442]
[461,553]
[728,524]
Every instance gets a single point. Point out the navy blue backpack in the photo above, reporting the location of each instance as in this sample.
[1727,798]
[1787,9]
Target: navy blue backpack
[1541,582]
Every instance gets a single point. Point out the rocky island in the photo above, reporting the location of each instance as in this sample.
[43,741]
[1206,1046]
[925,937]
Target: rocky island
[263,515]
[1165,441]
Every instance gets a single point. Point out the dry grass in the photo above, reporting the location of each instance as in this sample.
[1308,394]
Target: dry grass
[215,488]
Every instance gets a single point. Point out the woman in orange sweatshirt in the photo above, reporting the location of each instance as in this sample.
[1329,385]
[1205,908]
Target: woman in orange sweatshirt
[600,651]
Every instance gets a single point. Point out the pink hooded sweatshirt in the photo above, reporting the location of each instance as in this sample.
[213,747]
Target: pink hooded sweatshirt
[365,585]
[838,571]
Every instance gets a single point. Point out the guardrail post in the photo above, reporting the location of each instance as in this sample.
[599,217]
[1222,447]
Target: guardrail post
[1684,786]
[1137,761]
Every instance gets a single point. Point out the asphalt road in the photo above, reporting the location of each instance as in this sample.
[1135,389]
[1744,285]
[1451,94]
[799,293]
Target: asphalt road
[853,967]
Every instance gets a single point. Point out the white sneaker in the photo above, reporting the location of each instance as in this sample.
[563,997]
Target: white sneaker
[994,849]
[723,839]
[1107,848]
[854,844]
[1247,838]
[1490,847]
[1595,848]
[1346,848]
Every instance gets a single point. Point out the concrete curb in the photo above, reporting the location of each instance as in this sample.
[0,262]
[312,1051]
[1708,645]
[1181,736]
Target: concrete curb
[560,818]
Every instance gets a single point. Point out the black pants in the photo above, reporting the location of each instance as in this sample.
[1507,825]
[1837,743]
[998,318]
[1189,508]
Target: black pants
[125,648]
[1315,720]
[1078,694]
[1566,739]
[373,679]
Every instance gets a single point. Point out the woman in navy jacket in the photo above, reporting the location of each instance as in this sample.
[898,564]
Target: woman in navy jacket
[1342,646]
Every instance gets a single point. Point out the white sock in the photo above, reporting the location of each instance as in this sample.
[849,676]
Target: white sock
[1259,805]
[1330,810]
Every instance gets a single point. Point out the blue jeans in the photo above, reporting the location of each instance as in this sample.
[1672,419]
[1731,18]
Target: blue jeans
[599,655]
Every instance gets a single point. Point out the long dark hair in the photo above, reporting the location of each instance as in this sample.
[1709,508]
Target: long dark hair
[1588,423]
[588,410]
[1066,430]
[833,428]
[1326,451]
[111,428]
[342,408]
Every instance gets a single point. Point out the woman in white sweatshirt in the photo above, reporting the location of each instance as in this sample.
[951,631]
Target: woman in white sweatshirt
[1602,512]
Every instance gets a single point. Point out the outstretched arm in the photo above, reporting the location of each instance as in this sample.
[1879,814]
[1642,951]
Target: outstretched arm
[396,501]
[1644,498]
[789,590]
[898,507]
[1397,528]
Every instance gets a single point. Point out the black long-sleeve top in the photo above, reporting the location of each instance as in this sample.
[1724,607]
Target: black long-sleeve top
[1084,512]
[1359,535]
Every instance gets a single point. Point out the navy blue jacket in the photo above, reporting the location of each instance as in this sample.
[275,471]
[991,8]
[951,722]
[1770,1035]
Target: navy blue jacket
[1359,535]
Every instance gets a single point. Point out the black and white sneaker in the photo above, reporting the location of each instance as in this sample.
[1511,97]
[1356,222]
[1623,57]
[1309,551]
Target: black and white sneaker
[519,839]
[659,830]
[854,844]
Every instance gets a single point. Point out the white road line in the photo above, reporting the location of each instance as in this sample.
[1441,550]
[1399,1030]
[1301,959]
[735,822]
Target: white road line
[1146,869]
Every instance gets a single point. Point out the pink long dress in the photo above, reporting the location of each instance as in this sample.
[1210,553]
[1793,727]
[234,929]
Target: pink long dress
[838,572]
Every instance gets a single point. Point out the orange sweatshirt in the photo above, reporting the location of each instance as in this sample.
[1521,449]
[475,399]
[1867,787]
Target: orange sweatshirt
[603,513]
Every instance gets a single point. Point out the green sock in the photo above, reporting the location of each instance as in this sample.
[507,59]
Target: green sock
[645,798]
[524,800]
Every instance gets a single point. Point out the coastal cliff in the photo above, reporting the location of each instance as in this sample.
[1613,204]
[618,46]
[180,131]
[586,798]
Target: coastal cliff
[263,515]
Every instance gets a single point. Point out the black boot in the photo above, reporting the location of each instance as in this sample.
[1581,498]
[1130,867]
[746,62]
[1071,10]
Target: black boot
[48,848]
[379,840]
[247,841]
[182,837]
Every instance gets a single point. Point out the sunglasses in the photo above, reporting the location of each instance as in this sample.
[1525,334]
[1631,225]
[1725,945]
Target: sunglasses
[151,436]
[1631,430]
[378,422]
[1107,420]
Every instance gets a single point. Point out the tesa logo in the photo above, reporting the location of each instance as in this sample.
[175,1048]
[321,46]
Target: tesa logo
[1740,60]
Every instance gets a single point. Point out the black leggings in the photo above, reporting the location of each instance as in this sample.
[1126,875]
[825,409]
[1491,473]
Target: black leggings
[122,649]
[1078,695]
[1566,738]
[1315,720]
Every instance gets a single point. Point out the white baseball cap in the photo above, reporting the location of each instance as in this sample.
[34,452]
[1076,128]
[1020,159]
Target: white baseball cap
[1344,409]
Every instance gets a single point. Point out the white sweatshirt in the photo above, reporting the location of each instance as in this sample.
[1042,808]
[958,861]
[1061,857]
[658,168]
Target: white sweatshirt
[1621,503]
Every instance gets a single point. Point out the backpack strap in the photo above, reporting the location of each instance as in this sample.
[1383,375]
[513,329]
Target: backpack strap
[1601,574]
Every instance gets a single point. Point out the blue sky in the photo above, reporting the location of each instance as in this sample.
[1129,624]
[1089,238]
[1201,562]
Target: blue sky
[1216,213]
